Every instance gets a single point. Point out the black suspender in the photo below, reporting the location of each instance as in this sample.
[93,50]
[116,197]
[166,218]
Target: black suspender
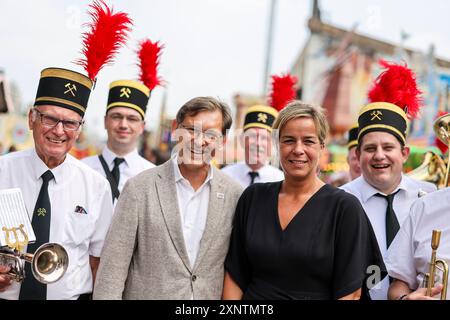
[111,180]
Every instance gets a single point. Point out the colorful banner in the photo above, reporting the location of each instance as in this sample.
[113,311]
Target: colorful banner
[14,132]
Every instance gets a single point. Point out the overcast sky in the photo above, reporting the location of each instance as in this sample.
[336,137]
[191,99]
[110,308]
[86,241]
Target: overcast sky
[212,47]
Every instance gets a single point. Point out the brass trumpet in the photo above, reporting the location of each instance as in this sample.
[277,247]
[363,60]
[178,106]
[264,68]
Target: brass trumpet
[48,264]
[430,277]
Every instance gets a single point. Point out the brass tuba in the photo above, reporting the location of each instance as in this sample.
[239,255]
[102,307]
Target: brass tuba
[436,264]
[48,264]
[441,128]
[434,169]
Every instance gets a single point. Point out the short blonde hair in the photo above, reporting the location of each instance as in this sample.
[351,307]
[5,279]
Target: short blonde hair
[298,109]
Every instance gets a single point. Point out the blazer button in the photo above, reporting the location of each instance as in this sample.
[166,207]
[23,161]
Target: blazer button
[194,277]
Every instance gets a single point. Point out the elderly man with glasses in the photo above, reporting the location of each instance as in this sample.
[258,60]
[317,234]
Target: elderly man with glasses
[68,202]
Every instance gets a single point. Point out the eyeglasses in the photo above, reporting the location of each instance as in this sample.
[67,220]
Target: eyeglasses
[209,135]
[51,122]
[116,117]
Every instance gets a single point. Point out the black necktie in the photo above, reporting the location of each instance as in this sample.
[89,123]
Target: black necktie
[115,171]
[392,225]
[32,289]
[253,175]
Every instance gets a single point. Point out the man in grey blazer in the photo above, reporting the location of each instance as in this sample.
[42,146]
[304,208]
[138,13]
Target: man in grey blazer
[171,228]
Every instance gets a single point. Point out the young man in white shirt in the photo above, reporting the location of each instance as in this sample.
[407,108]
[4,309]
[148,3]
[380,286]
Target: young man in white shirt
[124,122]
[386,194]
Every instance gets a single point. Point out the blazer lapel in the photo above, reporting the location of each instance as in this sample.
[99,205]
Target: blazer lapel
[167,194]
[215,207]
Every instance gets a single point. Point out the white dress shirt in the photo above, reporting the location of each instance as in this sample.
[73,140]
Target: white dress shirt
[410,253]
[239,172]
[193,210]
[132,165]
[81,234]
[375,208]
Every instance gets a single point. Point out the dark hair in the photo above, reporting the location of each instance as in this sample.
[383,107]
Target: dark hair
[199,104]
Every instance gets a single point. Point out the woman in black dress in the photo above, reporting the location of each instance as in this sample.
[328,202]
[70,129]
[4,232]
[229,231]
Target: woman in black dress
[300,238]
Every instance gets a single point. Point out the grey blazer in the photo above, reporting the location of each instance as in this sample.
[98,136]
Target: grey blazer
[144,255]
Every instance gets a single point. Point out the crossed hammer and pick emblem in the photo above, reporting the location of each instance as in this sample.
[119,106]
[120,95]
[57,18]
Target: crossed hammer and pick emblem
[262,117]
[70,88]
[125,92]
[376,115]
[41,212]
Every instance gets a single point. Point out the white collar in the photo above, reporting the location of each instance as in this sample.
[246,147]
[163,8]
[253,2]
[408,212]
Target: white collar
[368,191]
[109,156]
[248,169]
[39,167]
[179,176]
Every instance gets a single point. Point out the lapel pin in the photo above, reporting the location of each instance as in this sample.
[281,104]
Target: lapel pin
[80,209]
[220,195]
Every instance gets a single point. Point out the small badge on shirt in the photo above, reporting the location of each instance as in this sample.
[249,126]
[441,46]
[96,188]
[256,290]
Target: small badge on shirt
[80,209]
[220,195]
[421,193]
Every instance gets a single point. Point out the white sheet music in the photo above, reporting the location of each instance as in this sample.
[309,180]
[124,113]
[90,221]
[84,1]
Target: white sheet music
[13,213]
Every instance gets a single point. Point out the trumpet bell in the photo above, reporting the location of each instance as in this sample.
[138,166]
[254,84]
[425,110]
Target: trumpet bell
[49,263]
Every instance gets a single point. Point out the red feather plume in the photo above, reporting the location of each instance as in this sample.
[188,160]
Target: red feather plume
[108,32]
[149,54]
[442,146]
[397,85]
[283,91]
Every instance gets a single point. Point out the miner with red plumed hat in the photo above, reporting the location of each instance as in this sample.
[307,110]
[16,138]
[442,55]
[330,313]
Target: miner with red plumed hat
[385,193]
[125,121]
[68,203]
[256,138]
